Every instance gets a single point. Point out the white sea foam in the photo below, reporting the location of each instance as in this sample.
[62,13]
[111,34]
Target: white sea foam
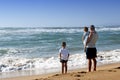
[53,30]
[109,29]
[9,64]
[35,31]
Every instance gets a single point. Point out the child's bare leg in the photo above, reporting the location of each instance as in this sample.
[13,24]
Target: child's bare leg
[65,67]
[62,68]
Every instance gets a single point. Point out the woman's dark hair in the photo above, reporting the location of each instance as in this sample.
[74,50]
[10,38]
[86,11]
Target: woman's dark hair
[92,27]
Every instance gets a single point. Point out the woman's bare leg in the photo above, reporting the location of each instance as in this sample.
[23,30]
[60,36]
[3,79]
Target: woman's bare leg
[95,63]
[89,65]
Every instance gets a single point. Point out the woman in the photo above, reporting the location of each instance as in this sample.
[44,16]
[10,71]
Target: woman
[91,51]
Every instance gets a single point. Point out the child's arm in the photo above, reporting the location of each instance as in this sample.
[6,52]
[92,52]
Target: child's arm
[60,55]
[89,37]
[68,56]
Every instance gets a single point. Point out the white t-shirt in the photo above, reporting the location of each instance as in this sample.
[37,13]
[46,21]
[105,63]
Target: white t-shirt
[64,53]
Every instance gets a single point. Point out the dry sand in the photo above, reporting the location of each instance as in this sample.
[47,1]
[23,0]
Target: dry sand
[105,72]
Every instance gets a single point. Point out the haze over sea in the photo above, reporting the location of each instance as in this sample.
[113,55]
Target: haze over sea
[37,48]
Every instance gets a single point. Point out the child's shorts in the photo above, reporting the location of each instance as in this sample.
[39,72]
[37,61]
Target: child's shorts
[63,61]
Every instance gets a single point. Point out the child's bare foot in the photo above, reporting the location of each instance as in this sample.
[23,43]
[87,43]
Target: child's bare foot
[94,69]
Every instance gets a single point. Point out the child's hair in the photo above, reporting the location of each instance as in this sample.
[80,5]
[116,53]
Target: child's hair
[63,43]
[85,29]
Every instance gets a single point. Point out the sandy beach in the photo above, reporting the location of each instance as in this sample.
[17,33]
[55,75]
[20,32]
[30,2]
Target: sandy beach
[104,72]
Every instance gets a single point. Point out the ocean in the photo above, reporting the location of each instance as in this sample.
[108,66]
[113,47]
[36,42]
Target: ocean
[36,48]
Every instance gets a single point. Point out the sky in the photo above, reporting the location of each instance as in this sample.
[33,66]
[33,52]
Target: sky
[59,13]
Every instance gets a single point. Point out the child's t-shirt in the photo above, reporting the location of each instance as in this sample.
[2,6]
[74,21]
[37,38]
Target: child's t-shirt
[85,37]
[64,53]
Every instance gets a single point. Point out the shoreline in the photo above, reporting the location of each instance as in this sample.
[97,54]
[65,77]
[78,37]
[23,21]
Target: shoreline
[103,69]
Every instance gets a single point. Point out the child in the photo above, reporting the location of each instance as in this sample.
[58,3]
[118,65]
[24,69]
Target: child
[64,55]
[85,37]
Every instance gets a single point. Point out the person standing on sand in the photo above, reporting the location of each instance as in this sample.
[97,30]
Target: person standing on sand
[64,55]
[91,51]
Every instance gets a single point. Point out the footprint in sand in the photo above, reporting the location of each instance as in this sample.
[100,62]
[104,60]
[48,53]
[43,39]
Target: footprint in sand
[56,75]
[82,72]
[77,75]
[111,70]
[77,79]
[117,68]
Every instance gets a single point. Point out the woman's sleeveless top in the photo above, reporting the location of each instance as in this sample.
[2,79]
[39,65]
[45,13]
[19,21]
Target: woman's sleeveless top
[93,40]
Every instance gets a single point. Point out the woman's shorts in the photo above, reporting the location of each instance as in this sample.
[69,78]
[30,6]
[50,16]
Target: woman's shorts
[63,61]
[91,53]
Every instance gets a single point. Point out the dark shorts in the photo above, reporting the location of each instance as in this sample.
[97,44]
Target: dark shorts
[63,61]
[91,53]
